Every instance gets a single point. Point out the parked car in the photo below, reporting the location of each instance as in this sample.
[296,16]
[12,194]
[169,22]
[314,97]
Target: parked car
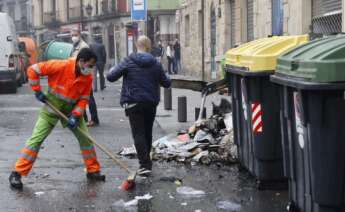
[11,59]
[28,48]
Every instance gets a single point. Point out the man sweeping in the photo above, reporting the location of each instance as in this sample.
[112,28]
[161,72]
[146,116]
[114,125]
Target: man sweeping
[69,87]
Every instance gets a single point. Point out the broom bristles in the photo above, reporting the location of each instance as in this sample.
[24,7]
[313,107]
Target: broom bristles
[127,185]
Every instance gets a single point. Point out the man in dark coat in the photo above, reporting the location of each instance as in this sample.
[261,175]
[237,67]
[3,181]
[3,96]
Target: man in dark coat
[142,77]
[99,50]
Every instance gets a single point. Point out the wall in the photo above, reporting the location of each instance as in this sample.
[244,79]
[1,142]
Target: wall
[191,54]
[262,18]
[191,50]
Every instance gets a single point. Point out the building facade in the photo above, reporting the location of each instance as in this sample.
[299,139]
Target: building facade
[109,19]
[21,13]
[228,23]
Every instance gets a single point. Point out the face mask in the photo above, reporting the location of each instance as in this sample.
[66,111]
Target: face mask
[86,71]
[75,39]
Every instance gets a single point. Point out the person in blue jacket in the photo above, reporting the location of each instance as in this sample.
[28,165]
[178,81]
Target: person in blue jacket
[142,77]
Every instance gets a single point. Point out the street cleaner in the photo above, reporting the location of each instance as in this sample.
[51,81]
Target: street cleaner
[69,87]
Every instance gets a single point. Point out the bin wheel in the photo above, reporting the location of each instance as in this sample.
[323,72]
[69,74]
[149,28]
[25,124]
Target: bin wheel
[241,168]
[291,207]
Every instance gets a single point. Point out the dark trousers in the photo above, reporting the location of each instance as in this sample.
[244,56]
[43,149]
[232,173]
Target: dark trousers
[171,65]
[100,70]
[141,118]
[92,109]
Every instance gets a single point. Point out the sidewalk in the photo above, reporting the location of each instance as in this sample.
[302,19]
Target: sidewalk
[168,119]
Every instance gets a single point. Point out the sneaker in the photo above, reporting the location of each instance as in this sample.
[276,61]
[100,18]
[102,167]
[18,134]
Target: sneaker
[16,180]
[92,124]
[95,176]
[144,172]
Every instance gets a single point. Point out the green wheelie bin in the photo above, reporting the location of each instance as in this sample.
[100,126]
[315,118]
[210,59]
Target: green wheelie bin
[312,85]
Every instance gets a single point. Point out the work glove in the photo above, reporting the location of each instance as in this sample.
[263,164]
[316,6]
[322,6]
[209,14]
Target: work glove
[73,122]
[40,96]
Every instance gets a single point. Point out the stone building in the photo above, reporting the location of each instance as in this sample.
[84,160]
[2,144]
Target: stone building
[228,23]
[109,19]
[21,13]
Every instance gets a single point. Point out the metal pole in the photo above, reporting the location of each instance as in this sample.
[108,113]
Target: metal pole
[203,40]
[81,15]
[182,109]
[167,99]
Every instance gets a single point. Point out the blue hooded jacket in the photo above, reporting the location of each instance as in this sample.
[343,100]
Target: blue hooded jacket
[142,77]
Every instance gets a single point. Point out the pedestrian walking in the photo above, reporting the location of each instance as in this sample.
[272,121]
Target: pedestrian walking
[70,84]
[159,51]
[170,57]
[99,50]
[78,45]
[177,50]
[142,76]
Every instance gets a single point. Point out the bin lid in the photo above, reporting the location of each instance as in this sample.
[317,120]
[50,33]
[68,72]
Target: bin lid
[322,60]
[58,50]
[261,55]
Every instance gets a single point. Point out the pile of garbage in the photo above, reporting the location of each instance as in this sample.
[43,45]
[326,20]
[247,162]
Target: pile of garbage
[207,141]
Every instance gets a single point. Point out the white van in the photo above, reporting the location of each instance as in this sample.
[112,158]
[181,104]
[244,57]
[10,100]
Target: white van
[11,60]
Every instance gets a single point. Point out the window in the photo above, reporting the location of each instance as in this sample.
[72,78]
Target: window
[277,17]
[327,16]
[250,20]
[200,22]
[187,30]
[23,10]
[111,45]
[11,11]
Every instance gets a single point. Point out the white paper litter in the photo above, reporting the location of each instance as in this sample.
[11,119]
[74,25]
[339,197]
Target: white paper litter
[228,206]
[190,192]
[39,193]
[132,203]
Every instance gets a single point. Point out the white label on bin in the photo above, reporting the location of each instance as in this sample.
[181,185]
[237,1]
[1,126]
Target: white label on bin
[244,103]
[298,114]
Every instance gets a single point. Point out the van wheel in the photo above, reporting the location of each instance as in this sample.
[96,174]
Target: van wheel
[19,82]
[8,87]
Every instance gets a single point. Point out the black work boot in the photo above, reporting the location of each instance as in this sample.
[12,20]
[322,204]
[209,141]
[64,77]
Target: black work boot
[95,176]
[15,180]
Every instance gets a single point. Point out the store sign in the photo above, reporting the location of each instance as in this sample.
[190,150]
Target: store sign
[139,10]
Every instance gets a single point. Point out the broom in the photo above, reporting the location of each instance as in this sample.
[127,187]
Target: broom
[129,183]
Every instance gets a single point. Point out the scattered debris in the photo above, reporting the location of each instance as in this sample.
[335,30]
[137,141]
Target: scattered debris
[190,192]
[228,206]
[132,203]
[177,181]
[128,152]
[207,141]
[184,204]
[198,210]
[39,193]
[145,197]
[45,176]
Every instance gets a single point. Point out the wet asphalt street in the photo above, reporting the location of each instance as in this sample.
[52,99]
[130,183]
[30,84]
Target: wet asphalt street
[58,183]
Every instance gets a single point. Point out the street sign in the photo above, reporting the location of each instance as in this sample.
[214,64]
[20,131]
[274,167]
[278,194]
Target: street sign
[139,10]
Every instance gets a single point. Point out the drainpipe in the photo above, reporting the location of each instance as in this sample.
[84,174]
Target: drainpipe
[81,15]
[203,40]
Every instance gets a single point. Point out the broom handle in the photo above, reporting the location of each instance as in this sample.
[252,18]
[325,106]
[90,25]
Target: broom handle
[105,150]
[203,99]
